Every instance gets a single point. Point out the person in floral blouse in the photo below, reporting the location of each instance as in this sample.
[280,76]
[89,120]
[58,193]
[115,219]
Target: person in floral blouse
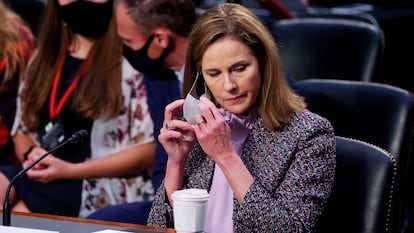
[79,80]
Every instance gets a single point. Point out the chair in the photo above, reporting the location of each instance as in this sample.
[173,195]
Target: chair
[341,13]
[362,190]
[376,113]
[31,11]
[329,48]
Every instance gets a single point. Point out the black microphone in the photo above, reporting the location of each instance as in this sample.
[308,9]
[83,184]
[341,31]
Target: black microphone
[77,137]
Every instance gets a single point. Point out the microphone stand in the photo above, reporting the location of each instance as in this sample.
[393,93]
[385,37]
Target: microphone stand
[6,204]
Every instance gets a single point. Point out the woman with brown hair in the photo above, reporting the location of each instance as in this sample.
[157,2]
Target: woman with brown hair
[267,162]
[78,80]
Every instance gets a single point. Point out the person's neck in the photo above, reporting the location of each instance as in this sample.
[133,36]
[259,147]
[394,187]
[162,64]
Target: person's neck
[180,51]
[81,46]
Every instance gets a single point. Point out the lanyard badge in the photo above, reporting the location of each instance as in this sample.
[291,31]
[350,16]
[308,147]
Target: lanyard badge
[51,134]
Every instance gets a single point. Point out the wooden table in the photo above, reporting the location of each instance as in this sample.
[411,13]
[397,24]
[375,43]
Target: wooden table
[76,225]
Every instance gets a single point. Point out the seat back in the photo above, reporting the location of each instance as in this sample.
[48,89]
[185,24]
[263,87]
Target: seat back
[341,13]
[377,113]
[329,48]
[362,189]
[31,12]
[373,112]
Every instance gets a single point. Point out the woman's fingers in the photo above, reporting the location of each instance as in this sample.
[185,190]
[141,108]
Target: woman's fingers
[209,110]
[173,111]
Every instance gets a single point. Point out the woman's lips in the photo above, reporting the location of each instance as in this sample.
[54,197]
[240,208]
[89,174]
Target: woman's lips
[236,99]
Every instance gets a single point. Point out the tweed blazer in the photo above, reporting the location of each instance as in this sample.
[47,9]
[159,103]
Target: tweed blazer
[293,168]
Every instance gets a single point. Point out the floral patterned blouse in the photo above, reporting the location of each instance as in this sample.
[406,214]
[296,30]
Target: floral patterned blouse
[134,127]
[131,128]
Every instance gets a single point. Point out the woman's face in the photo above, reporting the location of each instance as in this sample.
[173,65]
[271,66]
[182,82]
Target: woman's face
[231,72]
[65,2]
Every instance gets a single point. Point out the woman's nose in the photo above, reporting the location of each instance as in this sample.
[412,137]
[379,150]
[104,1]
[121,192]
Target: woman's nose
[229,83]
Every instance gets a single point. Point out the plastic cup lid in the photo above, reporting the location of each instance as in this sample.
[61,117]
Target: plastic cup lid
[190,194]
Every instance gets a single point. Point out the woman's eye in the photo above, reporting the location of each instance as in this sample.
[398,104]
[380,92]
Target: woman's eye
[240,68]
[213,74]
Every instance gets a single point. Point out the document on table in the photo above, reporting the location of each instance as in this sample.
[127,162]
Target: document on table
[7,229]
[111,231]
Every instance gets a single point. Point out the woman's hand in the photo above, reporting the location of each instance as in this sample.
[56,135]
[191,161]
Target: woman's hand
[177,136]
[32,156]
[212,131]
[48,169]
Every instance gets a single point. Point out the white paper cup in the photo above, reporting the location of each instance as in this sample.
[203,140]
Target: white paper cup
[190,210]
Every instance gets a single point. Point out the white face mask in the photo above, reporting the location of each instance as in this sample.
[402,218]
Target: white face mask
[190,108]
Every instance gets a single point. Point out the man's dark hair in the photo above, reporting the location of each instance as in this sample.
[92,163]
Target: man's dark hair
[176,15]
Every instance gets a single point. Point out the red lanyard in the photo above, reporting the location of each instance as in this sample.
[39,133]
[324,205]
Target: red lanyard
[53,109]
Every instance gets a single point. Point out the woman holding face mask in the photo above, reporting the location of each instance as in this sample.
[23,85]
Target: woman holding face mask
[78,80]
[267,162]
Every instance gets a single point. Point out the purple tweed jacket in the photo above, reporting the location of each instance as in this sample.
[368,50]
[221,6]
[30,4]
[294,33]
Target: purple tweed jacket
[293,168]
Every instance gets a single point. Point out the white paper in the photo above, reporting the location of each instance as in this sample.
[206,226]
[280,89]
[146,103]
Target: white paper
[111,231]
[7,229]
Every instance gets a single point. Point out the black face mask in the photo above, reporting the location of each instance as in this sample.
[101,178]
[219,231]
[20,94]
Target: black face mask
[86,18]
[154,67]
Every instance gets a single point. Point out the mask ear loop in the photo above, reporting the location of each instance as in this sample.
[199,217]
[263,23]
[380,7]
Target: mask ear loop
[193,90]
